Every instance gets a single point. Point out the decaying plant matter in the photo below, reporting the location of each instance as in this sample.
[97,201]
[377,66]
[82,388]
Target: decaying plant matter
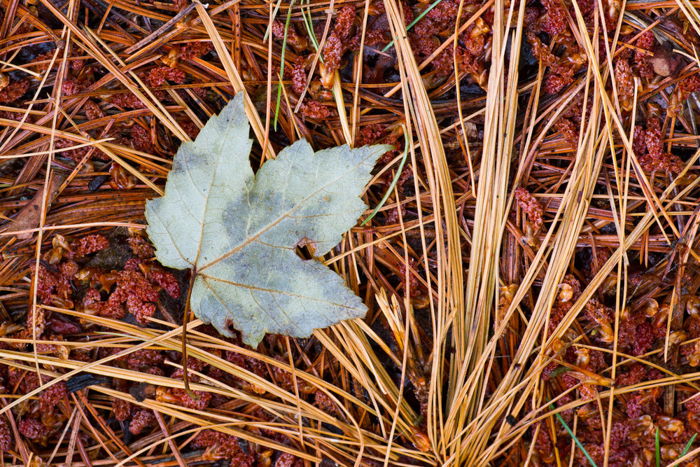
[529,260]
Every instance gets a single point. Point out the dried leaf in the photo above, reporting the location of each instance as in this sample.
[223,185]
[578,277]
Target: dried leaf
[28,217]
[238,230]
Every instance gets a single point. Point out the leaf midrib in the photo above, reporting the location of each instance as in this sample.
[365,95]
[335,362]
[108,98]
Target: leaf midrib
[206,277]
[202,223]
[273,224]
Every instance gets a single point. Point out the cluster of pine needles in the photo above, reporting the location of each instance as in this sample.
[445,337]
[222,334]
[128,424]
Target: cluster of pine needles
[529,259]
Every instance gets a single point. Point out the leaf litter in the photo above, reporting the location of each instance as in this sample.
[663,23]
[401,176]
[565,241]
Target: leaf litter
[412,384]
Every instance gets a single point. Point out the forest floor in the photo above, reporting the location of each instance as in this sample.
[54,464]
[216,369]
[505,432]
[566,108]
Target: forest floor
[529,258]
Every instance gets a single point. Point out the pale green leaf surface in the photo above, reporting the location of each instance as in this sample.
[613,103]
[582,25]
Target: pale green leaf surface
[238,231]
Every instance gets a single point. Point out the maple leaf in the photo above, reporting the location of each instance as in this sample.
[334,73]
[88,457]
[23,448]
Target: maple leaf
[238,231]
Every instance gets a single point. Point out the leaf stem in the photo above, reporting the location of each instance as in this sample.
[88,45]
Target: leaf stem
[185,321]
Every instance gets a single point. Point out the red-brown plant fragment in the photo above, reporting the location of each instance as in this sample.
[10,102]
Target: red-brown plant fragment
[166,280]
[89,244]
[141,419]
[161,75]
[127,101]
[223,446]
[32,428]
[555,22]
[71,87]
[51,396]
[194,49]
[654,159]
[121,409]
[624,79]
[344,22]
[288,460]
[52,286]
[332,54]
[141,247]
[14,91]
[298,73]
[531,207]
[314,109]
[6,439]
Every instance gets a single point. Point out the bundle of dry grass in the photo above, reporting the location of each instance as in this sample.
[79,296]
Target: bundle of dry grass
[530,259]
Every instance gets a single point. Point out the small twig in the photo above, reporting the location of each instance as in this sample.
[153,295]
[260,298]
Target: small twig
[173,446]
[169,24]
[185,320]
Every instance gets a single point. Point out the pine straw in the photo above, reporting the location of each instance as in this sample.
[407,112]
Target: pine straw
[447,368]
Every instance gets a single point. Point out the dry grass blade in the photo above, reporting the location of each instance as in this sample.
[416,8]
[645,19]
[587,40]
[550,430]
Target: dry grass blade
[530,258]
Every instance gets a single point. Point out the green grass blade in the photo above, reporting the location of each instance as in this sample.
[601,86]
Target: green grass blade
[657,448]
[413,23]
[573,436]
[284,49]
[274,15]
[390,189]
[689,445]
[309,24]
